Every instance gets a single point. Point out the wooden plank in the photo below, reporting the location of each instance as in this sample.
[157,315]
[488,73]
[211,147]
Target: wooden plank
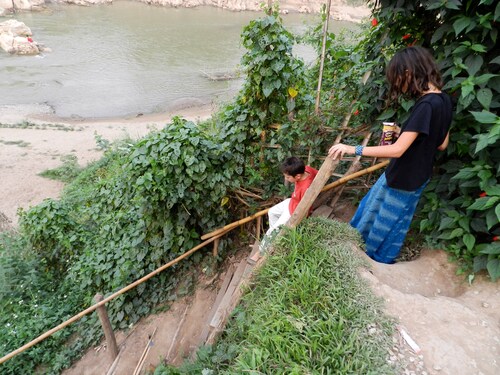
[233,300]
[254,254]
[312,193]
[228,276]
[235,282]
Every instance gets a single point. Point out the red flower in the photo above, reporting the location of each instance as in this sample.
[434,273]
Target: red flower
[30,40]
[483,194]
[374,22]
[356,112]
[407,36]
[496,238]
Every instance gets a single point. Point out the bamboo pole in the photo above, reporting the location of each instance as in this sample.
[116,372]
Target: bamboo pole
[107,299]
[323,53]
[343,180]
[138,368]
[106,327]
[235,224]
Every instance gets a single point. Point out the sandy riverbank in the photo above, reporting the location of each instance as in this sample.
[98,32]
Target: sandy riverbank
[26,151]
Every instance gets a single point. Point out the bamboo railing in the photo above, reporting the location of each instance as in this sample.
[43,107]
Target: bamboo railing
[316,187]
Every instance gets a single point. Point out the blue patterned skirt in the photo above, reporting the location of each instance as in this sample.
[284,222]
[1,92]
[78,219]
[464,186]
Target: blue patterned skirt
[383,218]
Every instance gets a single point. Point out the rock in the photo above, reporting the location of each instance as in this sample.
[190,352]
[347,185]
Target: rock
[15,38]
[10,6]
[86,2]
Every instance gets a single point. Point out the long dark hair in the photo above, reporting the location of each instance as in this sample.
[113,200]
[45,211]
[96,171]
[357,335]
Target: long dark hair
[410,71]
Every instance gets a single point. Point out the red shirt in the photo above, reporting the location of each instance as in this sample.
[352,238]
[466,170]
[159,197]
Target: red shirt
[300,188]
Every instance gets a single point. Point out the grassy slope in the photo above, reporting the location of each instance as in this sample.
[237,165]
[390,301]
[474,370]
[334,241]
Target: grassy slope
[308,312]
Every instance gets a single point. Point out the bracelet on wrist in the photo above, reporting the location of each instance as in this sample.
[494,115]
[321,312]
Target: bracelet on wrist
[358,150]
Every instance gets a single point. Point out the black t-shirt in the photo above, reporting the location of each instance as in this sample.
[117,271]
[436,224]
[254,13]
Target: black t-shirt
[431,118]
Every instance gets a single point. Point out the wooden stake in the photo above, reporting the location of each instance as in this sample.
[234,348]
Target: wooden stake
[216,247]
[257,230]
[323,53]
[106,327]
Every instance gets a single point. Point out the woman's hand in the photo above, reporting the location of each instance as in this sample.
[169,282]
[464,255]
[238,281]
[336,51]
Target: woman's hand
[337,151]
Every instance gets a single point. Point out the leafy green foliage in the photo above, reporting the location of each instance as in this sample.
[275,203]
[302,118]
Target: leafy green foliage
[460,210]
[144,204]
[308,312]
[264,121]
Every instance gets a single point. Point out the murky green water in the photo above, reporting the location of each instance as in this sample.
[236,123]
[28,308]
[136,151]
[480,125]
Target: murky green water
[129,58]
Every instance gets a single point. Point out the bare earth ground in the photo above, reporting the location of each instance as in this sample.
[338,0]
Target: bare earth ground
[456,325]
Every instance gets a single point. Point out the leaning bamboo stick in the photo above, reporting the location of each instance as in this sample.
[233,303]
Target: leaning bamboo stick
[343,180]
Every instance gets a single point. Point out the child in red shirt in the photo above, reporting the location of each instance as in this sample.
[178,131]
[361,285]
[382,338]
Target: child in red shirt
[302,176]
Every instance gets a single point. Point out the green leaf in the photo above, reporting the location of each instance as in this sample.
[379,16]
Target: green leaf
[491,218]
[267,90]
[387,114]
[469,241]
[484,97]
[483,203]
[485,117]
[460,24]
[484,78]
[473,63]
[478,48]
[467,88]
[120,316]
[446,223]
[493,268]
[492,248]
[480,263]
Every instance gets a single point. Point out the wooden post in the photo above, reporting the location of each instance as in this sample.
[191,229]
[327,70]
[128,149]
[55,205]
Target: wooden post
[313,191]
[106,327]
[257,231]
[323,53]
[215,251]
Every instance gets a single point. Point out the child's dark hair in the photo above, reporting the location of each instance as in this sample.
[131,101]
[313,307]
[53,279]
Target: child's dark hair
[293,166]
[410,71]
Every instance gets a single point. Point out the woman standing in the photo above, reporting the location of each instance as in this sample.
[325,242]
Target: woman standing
[385,213]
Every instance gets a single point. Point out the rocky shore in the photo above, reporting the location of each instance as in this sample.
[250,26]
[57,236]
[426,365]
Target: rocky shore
[340,9]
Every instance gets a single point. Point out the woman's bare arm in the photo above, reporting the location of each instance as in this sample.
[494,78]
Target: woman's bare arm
[390,151]
[443,145]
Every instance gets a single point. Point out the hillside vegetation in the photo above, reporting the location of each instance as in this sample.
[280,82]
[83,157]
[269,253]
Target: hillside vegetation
[147,202]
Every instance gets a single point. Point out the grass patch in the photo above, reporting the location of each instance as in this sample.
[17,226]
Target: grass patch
[16,143]
[308,312]
[44,126]
[67,172]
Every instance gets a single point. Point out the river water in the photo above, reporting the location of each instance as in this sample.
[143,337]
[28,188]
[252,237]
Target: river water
[128,58]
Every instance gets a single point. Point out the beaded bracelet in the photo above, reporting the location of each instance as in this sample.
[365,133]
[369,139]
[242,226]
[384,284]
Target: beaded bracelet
[358,150]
